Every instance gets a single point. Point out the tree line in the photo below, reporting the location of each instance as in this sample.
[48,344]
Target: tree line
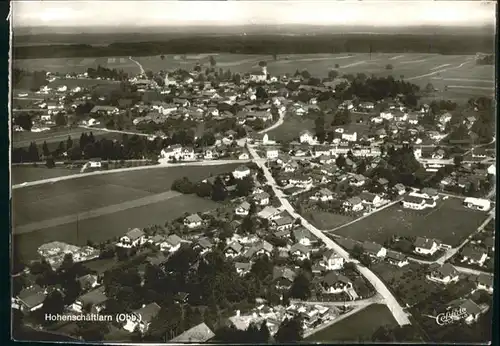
[272,44]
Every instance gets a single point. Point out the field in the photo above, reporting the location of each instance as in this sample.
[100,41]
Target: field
[358,327]
[449,222]
[107,205]
[21,174]
[324,220]
[459,72]
[291,128]
[109,226]
[56,135]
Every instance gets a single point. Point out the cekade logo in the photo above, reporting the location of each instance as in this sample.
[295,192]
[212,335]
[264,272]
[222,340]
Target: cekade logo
[451,316]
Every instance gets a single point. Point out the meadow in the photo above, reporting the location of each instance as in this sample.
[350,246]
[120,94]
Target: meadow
[398,221]
[25,173]
[358,327]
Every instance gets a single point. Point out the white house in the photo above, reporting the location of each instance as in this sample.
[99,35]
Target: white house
[269,213]
[307,137]
[143,318]
[241,172]
[332,260]
[396,258]
[322,195]
[418,203]
[134,237]
[272,154]
[335,283]
[492,170]
[477,203]
[243,209]
[262,198]
[95,163]
[171,244]
[193,221]
[171,151]
[299,251]
[353,204]
[445,274]
[425,246]
[474,256]
[471,309]
[485,283]
[209,154]
[351,136]
[374,250]
[243,156]
[30,299]
[371,199]
[386,115]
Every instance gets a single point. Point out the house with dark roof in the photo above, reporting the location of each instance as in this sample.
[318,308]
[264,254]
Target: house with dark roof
[425,246]
[283,277]
[134,237]
[485,282]
[370,199]
[473,255]
[396,258]
[331,260]
[354,204]
[243,209]
[87,282]
[445,274]
[93,301]
[471,310]
[31,298]
[243,268]
[143,318]
[374,250]
[299,251]
[261,198]
[193,221]
[198,334]
[260,248]
[203,245]
[233,249]
[283,223]
[334,282]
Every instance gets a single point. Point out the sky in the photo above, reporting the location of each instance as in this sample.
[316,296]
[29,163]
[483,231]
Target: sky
[178,13]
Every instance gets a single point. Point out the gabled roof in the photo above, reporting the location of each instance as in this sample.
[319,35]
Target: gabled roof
[372,247]
[198,334]
[235,246]
[424,243]
[393,255]
[134,234]
[32,296]
[94,297]
[447,270]
[194,218]
[333,277]
[485,279]
[473,253]
[148,312]
[283,272]
[173,240]
[299,247]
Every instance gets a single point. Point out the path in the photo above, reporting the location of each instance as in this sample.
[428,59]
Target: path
[338,319]
[128,169]
[116,131]
[137,63]
[377,299]
[89,214]
[397,311]
[275,125]
[439,71]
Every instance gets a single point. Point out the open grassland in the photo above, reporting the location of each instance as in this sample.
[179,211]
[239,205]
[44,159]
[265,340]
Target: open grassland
[108,226]
[25,173]
[77,65]
[358,327]
[49,201]
[449,222]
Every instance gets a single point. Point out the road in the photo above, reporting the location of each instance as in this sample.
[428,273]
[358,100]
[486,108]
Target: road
[441,70]
[397,311]
[129,169]
[275,125]
[116,131]
[377,299]
[138,64]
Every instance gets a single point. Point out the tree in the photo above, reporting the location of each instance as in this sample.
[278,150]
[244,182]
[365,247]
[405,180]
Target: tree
[212,61]
[61,119]
[244,186]
[290,331]
[457,160]
[260,93]
[332,74]
[162,57]
[319,123]
[219,192]
[45,149]
[337,65]
[340,161]
[357,251]
[69,142]
[24,121]
[264,332]
[262,63]
[305,74]
[301,287]
[50,162]
[53,304]
[33,152]
[388,67]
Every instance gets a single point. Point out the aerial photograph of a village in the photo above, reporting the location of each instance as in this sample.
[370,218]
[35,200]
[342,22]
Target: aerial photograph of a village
[253,171]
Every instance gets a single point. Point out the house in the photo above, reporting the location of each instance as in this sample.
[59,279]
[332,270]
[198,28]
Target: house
[198,334]
[95,163]
[370,199]
[233,249]
[291,166]
[397,259]
[87,282]
[284,223]
[323,195]
[132,238]
[243,209]
[412,202]
[241,172]
[425,246]
[306,137]
[283,277]
[485,282]
[374,250]
[260,248]
[193,221]
[93,301]
[492,170]
[172,151]
[302,181]
[473,255]
[243,156]
[471,311]
[332,260]
[302,236]
[203,244]
[429,193]
[400,189]
[104,110]
[351,136]
[31,298]
[143,318]
[171,244]
[477,203]
[209,154]
[272,154]
[243,268]
[262,198]
[353,204]
[268,213]
[444,274]
[299,251]
[333,282]
[357,180]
